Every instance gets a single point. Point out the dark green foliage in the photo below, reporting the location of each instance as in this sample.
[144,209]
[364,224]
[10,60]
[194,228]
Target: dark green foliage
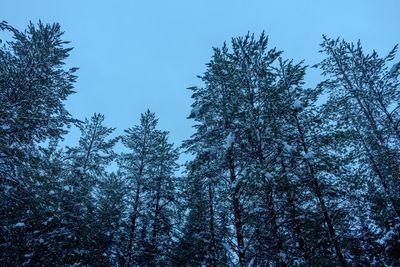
[280,174]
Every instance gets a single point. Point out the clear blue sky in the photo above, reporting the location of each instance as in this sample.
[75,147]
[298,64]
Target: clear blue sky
[135,55]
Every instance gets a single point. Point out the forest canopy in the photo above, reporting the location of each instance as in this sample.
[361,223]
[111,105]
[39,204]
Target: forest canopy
[277,177]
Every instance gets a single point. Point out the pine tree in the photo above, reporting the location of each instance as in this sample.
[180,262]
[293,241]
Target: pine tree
[87,164]
[202,240]
[161,199]
[149,166]
[135,166]
[364,94]
[280,174]
[34,84]
[231,126]
[108,224]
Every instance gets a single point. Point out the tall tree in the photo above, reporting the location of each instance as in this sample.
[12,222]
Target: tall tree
[34,84]
[135,166]
[364,100]
[87,166]
[149,166]
[229,114]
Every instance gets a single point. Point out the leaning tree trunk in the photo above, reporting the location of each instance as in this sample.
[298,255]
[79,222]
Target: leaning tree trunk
[293,213]
[317,191]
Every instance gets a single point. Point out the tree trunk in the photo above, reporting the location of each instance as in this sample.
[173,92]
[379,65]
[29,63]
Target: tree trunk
[293,214]
[379,173]
[212,227]
[274,226]
[297,227]
[156,212]
[237,216]
[328,221]
[317,191]
[133,226]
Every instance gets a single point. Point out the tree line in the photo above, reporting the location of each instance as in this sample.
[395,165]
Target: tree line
[281,174]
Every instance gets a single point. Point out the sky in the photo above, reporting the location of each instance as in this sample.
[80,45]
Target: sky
[138,55]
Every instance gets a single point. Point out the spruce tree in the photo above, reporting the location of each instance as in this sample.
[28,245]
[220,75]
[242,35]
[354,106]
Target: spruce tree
[34,83]
[149,166]
[86,168]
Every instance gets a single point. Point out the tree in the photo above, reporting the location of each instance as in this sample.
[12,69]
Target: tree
[86,169]
[279,174]
[149,166]
[230,116]
[34,84]
[108,224]
[363,100]
[202,240]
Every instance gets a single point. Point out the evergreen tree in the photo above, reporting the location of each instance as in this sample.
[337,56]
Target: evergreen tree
[34,84]
[363,100]
[202,241]
[86,168]
[280,174]
[108,224]
[149,166]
